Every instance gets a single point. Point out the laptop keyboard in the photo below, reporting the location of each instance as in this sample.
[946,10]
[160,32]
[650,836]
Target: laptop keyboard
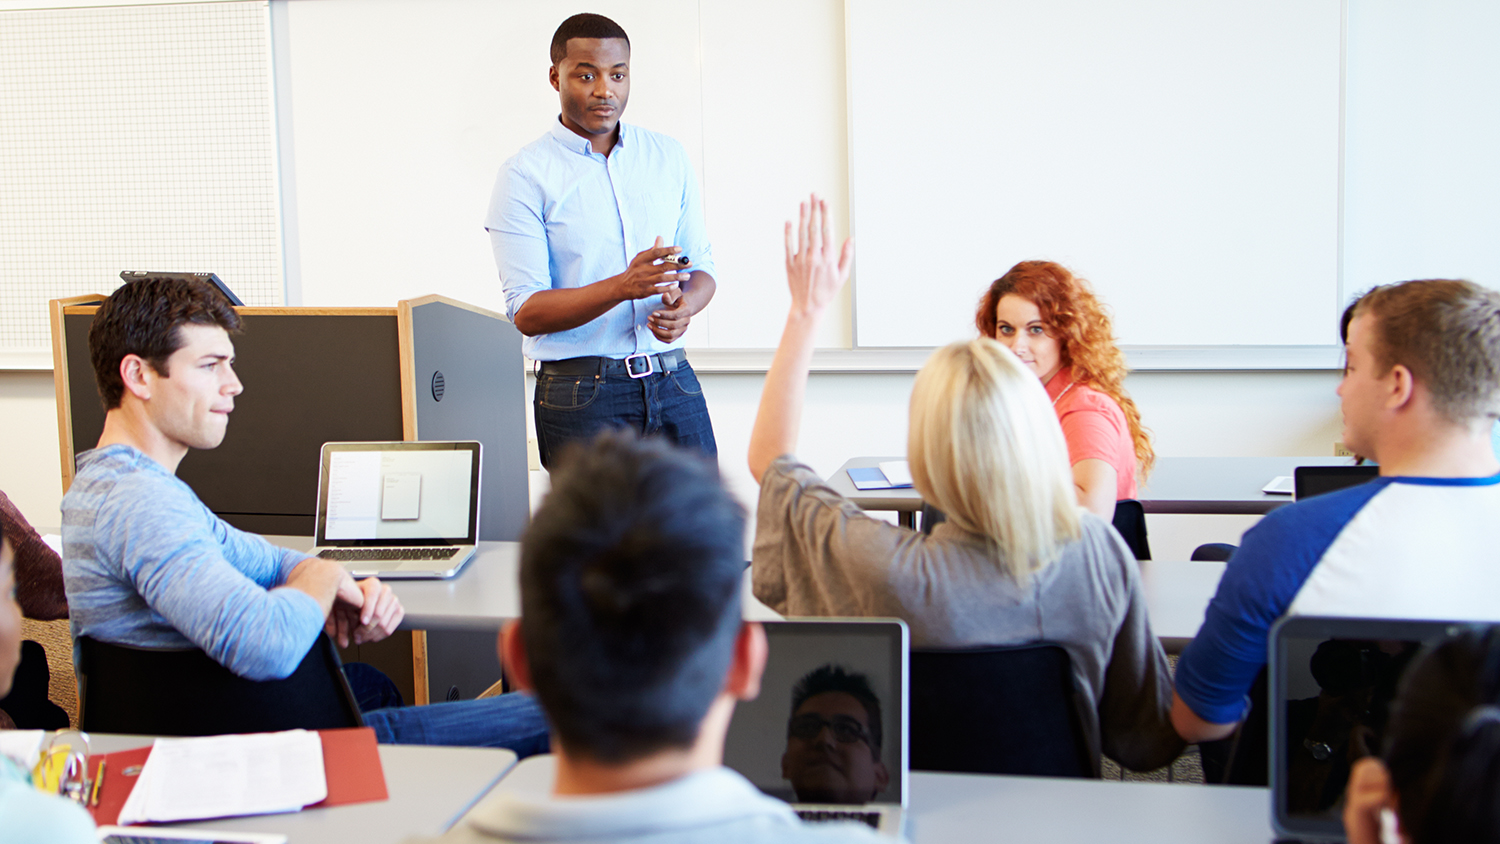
[820,816]
[350,555]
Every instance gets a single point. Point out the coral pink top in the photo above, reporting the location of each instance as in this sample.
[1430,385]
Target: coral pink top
[1094,426]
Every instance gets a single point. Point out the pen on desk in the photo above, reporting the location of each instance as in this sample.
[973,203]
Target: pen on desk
[98,780]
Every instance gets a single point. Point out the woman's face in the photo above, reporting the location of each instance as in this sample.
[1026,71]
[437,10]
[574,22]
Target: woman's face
[1018,324]
[10,619]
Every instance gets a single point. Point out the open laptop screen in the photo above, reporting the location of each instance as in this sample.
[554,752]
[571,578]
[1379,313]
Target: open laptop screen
[834,748]
[398,493]
[1333,681]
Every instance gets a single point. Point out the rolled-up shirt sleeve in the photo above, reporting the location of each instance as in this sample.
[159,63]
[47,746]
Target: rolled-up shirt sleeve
[518,236]
[227,609]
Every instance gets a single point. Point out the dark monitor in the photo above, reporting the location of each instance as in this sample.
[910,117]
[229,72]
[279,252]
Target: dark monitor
[1309,481]
[211,278]
[309,379]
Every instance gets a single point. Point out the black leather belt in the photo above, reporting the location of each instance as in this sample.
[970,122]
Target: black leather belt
[635,366]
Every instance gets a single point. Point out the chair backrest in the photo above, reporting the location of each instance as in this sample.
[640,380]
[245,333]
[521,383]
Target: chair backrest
[1130,522]
[997,710]
[184,692]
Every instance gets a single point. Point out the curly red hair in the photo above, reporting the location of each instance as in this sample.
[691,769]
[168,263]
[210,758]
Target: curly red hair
[1074,316]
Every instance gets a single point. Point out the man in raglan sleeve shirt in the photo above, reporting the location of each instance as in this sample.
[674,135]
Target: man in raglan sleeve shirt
[588,224]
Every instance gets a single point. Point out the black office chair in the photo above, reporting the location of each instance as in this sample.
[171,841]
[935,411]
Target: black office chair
[1129,520]
[997,710]
[184,692]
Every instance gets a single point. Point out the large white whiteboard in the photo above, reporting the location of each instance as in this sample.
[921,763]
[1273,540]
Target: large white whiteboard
[1183,156]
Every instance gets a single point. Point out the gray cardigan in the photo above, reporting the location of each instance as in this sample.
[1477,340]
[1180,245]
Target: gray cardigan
[817,554]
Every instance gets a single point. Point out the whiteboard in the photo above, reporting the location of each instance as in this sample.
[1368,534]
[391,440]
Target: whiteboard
[1183,156]
[399,113]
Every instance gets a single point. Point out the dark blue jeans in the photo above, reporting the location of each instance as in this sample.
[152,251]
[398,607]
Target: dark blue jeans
[576,407]
[513,721]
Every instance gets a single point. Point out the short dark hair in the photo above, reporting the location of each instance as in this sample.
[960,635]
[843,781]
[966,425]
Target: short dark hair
[835,678]
[630,596]
[584,25]
[142,318]
[1442,743]
[1447,332]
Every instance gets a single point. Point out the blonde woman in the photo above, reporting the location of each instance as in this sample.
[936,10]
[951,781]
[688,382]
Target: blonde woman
[1017,561]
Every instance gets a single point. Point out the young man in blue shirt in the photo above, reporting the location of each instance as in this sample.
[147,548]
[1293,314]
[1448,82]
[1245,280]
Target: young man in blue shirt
[578,220]
[146,563]
[1420,394]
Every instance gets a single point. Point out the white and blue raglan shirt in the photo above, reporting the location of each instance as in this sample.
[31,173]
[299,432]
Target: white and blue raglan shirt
[1396,547]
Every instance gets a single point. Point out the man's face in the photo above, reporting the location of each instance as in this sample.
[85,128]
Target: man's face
[1364,389]
[191,400]
[593,82]
[829,755]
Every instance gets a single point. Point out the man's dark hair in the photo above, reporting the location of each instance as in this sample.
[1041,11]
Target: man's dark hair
[834,678]
[630,596]
[1442,743]
[585,25]
[142,318]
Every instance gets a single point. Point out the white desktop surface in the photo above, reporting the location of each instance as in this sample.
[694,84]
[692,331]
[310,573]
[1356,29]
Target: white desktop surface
[485,594]
[978,807]
[429,788]
[1177,593]
[1214,485]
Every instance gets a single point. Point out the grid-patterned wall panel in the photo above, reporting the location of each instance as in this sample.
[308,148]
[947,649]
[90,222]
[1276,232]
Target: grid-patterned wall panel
[134,138]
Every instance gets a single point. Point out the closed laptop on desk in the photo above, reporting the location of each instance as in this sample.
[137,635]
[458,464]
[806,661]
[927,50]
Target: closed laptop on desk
[399,510]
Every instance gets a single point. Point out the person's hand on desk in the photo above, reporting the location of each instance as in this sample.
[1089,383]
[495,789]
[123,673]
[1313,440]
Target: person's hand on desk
[367,612]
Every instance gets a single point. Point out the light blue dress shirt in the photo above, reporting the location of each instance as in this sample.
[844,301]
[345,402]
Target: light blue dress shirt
[563,215]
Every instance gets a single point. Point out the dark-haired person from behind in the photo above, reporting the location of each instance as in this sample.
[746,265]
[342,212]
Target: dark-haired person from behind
[631,635]
[1439,774]
[833,739]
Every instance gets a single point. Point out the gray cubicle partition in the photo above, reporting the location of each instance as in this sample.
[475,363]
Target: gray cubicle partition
[315,375]
[470,385]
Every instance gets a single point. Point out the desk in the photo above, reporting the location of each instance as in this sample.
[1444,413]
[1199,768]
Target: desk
[1177,593]
[976,807]
[429,788]
[486,594]
[1219,485]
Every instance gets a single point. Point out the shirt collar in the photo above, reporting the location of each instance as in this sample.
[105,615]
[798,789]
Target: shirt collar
[1060,382]
[575,142]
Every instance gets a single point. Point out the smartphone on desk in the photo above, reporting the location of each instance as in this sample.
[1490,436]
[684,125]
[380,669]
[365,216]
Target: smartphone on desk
[154,835]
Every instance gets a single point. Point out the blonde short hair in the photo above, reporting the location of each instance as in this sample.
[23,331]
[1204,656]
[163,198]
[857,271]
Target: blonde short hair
[986,449]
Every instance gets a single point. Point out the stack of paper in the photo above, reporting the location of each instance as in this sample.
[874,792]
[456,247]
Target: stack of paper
[228,776]
[23,747]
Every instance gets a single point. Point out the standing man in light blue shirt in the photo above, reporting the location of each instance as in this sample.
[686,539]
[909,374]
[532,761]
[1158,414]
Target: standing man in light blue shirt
[598,233]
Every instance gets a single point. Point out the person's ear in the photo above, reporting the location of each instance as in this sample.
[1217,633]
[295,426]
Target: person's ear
[882,777]
[749,662]
[137,376]
[1402,386]
[1369,795]
[553,78]
[513,655]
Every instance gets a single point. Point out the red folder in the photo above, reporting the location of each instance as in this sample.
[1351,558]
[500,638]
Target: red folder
[351,764]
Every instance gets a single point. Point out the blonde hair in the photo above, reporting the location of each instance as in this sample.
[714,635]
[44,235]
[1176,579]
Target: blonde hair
[986,449]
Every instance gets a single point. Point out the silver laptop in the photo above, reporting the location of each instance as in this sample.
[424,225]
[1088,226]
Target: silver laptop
[828,732]
[399,510]
[1332,683]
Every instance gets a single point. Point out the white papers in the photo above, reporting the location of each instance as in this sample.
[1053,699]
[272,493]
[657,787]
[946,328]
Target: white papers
[401,497]
[228,776]
[898,472]
[23,747]
[1279,485]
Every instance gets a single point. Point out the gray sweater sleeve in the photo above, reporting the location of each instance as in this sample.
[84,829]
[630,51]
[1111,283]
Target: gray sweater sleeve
[209,581]
[1135,708]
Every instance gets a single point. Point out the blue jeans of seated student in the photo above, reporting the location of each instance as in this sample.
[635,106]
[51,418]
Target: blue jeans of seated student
[513,721]
[667,404]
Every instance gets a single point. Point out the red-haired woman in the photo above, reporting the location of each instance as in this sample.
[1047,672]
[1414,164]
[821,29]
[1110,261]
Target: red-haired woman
[1055,325]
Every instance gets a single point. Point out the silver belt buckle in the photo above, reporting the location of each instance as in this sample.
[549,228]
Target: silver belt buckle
[630,367]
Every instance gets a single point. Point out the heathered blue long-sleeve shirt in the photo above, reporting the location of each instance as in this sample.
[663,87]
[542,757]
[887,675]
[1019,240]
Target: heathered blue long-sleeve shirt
[146,563]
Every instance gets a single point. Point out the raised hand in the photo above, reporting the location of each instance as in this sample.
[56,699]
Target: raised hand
[815,270]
